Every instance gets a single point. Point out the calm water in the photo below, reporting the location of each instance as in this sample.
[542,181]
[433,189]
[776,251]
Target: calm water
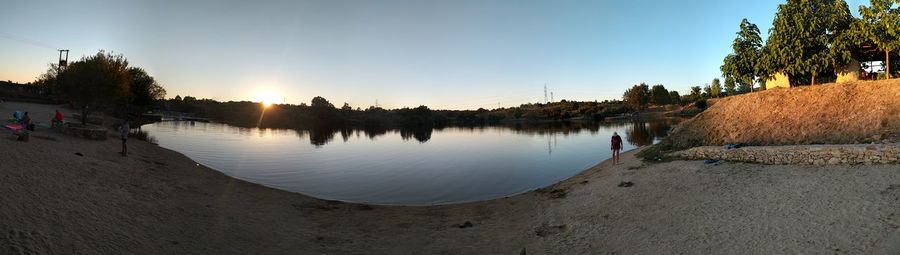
[400,167]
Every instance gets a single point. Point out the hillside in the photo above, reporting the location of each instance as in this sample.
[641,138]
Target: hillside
[855,112]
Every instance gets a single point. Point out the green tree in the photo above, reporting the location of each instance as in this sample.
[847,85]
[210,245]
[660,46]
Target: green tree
[804,38]
[715,88]
[637,96]
[880,25]
[695,93]
[96,81]
[729,86]
[741,65]
[674,97]
[659,95]
[707,92]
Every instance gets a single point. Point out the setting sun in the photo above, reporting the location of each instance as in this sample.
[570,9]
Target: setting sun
[267,98]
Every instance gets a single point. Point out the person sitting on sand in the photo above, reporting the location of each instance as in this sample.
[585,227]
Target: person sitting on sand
[57,120]
[123,132]
[616,146]
[26,122]
[17,116]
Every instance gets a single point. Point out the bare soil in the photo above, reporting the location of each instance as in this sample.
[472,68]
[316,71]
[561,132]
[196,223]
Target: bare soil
[855,112]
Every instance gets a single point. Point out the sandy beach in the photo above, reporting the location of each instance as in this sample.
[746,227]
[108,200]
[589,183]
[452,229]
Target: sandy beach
[157,201]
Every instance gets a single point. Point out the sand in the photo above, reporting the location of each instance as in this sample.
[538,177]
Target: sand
[156,201]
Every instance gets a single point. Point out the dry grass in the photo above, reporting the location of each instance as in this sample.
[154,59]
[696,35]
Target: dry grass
[855,112]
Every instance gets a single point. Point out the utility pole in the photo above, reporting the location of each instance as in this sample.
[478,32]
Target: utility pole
[63,61]
[545,93]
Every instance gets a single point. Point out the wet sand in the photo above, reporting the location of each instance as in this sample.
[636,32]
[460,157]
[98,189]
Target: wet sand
[157,201]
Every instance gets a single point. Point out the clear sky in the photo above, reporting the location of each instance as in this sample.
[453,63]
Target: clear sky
[452,54]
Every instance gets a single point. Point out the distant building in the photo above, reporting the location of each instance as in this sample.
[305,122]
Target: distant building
[850,72]
[779,80]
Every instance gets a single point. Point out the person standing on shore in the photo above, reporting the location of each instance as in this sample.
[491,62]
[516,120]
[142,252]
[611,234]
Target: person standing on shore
[123,131]
[27,122]
[616,146]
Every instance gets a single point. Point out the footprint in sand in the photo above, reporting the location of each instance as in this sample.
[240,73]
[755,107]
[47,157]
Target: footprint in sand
[21,242]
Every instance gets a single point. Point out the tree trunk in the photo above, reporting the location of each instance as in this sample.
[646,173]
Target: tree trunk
[813,80]
[887,65]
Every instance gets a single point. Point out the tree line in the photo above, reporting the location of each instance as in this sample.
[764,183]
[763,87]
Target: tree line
[809,40]
[103,81]
[322,113]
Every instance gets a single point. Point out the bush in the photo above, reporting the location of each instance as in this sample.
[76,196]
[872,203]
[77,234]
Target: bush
[655,153]
[701,104]
[142,135]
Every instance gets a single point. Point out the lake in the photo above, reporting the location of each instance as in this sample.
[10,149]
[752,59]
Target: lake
[405,167]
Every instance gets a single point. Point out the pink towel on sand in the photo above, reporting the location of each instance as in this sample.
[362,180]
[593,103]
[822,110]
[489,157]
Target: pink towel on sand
[14,127]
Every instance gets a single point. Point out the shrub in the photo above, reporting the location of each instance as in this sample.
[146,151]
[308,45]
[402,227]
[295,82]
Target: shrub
[701,104]
[142,135]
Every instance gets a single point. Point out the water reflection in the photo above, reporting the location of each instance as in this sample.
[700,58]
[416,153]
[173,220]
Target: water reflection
[408,166]
[638,133]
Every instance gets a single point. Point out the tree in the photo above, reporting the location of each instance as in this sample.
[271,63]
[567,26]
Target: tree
[730,86]
[695,93]
[97,80]
[715,88]
[320,102]
[806,38]
[659,95]
[741,65]
[674,97]
[346,107]
[880,25]
[637,96]
[322,110]
[144,89]
[707,92]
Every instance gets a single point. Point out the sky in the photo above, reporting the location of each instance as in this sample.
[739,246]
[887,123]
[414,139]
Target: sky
[453,54]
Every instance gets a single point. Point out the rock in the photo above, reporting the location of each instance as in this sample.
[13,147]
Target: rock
[467,224]
[819,162]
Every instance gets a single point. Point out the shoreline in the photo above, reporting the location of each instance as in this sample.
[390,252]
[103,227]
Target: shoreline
[160,201]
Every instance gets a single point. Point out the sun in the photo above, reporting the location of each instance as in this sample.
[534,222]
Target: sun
[267,98]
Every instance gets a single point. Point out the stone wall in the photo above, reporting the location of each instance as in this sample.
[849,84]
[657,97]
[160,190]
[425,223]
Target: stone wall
[799,154]
[85,131]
